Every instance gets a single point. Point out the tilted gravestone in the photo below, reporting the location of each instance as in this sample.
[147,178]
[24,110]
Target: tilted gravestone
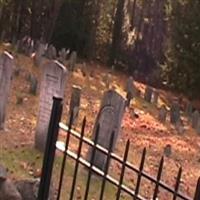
[155,97]
[109,120]
[195,118]
[72,61]
[75,102]
[130,90]
[174,113]
[53,84]
[148,94]
[162,114]
[6,69]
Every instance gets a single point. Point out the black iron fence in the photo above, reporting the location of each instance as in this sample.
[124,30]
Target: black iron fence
[48,162]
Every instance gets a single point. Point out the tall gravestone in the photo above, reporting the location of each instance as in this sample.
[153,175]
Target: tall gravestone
[52,84]
[189,109]
[109,119]
[6,69]
[75,102]
[40,52]
[155,97]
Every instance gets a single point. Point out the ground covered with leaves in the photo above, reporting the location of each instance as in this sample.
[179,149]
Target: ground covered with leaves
[143,130]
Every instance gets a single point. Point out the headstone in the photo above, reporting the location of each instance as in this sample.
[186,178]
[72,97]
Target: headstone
[72,61]
[33,85]
[195,118]
[189,109]
[130,89]
[51,52]
[162,114]
[155,97]
[109,119]
[198,126]
[107,79]
[168,150]
[148,94]
[174,113]
[6,69]
[39,54]
[75,102]
[53,84]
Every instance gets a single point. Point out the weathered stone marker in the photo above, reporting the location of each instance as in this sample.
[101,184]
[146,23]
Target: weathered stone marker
[6,69]
[162,114]
[53,84]
[109,119]
[189,109]
[62,55]
[195,118]
[174,113]
[39,54]
[75,102]
[51,52]
[148,94]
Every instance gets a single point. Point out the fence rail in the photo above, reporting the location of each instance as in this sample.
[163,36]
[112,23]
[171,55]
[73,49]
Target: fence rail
[53,144]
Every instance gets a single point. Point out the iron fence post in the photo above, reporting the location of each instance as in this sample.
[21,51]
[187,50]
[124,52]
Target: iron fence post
[50,149]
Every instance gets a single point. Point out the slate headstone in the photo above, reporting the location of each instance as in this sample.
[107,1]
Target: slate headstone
[109,120]
[53,84]
[162,114]
[6,70]
[189,109]
[148,94]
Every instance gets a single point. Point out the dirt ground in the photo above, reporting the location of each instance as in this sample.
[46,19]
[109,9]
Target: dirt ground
[144,131]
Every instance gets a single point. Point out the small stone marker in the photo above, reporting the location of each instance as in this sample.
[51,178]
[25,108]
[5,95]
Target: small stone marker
[168,150]
[51,52]
[109,119]
[162,114]
[174,113]
[195,118]
[75,102]
[33,85]
[6,69]
[148,94]
[189,109]
[72,61]
[155,97]
[53,84]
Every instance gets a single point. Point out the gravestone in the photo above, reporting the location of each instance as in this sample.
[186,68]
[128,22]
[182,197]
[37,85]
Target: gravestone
[109,119]
[162,114]
[189,109]
[168,150]
[39,54]
[75,102]
[148,94]
[155,97]
[53,84]
[195,118]
[6,69]
[107,79]
[33,84]
[51,52]
[174,113]
[198,126]
[130,90]
[72,61]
